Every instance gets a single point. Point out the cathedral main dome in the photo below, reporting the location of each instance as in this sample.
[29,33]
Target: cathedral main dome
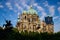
[30,11]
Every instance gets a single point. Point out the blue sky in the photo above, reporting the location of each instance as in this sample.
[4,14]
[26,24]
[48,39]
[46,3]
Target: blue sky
[10,9]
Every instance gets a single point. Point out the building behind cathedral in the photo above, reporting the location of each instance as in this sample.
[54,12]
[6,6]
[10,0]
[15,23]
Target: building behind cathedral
[30,21]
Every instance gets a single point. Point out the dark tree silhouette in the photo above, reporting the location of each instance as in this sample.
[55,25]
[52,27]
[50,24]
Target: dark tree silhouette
[8,25]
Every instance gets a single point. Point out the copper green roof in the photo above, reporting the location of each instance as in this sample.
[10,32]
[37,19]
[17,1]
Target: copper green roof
[30,11]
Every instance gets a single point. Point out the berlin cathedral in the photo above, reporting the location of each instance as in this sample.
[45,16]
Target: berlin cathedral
[29,21]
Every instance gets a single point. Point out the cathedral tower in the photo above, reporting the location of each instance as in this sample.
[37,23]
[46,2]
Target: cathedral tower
[49,24]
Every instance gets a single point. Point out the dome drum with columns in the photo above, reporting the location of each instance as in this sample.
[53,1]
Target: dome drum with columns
[30,21]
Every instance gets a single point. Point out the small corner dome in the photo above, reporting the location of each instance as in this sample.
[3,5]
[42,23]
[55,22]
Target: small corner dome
[24,12]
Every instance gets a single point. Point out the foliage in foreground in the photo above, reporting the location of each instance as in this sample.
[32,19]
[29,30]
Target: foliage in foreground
[13,34]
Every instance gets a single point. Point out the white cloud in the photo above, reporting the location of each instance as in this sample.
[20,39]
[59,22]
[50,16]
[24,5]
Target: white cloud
[38,7]
[59,9]
[23,1]
[52,10]
[42,18]
[35,4]
[10,8]
[9,5]
[1,6]
[41,9]
[10,16]
[58,3]
[46,4]
[43,15]
[18,13]
[55,17]
[18,6]
[15,11]
[25,5]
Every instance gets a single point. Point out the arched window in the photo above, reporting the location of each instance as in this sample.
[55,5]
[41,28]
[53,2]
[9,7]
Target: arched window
[44,29]
[24,27]
[28,19]
[33,19]
[38,27]
[25,17]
